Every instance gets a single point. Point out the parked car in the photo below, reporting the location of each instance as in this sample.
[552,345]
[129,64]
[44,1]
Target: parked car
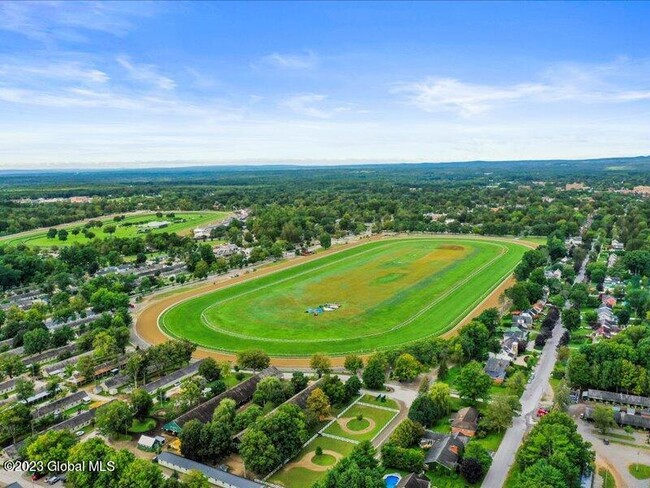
[52,480]
[606,442]
[79,433]
[37,476]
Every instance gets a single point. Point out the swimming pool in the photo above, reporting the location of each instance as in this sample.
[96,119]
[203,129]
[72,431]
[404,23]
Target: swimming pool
[391,480]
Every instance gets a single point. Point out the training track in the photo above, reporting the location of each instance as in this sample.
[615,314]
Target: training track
[146,320]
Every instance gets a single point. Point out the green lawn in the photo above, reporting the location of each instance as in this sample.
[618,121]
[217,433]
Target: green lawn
[380,418]
[391,292]
[300,477]
[639,471]
[372,400]
[129,227]
[607,477]
[140,427]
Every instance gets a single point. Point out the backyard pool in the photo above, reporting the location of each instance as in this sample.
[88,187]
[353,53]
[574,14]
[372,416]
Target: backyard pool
[391,480]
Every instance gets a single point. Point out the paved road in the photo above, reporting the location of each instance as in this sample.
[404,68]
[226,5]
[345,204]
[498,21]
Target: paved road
[505,455]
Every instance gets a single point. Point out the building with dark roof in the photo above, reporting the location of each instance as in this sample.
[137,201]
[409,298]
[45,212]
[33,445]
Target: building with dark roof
[57,407]
[623,418]
[48,355]
[445,450]
[8,386]
[620,398]
[215,476]
[465,422]
[240,393]
[413,481]
[496,368]
[174,377]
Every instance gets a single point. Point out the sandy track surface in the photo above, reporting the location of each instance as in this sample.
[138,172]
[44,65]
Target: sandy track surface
[146,321]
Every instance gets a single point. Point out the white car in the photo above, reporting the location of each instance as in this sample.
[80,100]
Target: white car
[79,433]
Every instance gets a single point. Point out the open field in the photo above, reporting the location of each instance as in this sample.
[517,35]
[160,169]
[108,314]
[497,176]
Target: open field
[180,223]
[390,292]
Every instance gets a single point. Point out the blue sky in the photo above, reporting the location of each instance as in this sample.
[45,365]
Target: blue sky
[97,84]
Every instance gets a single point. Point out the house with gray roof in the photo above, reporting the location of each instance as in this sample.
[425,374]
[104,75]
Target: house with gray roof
[445,449]
[496,368]
[57,407]
[413,481]
[619,398]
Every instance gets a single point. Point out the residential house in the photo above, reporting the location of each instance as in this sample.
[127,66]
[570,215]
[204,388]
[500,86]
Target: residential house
[514,341]
[608,300]
[215,476]
[553,274]
[606,316]
[573,241]
[496,368]
[616,245]
[523,320]
[413,481]
[611,282]
[465,422]
[443,449]
[225,250]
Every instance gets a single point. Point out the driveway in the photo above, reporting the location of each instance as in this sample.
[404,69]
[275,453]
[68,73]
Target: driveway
[615,456]
[505,456]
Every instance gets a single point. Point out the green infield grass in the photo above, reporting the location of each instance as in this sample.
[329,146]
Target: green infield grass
[130,226]
[388,293]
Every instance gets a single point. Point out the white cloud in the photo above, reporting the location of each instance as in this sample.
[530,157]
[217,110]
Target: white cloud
[303,61]
[617,82]
[447,94]
[70,21]
[313,105]
[146,73]
[23,71]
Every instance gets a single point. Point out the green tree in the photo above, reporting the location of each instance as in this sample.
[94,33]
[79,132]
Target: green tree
[258,452]
[255,359]
[321,363]
[571,318]
[271,390]
[141,474]
[499,413]
[516,383]
[299,381]
[476,451]
[24,388]
[353,364]
[325,240]
[190,437]
[195,479]
[53,445]
[476,341]
[201,270]
[318,404]
[114,418]
[374,375]
[406,368]
[603,416]
[562,397]
[93,450]
[141,403]
[579,371]
[407,433]
[423,410]
[210,369]
[36,341]
[474,383]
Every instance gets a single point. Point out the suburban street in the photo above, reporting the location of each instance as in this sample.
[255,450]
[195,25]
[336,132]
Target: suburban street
[505,456]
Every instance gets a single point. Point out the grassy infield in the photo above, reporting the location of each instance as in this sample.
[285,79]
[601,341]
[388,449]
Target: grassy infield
[190,221]
[390,292]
